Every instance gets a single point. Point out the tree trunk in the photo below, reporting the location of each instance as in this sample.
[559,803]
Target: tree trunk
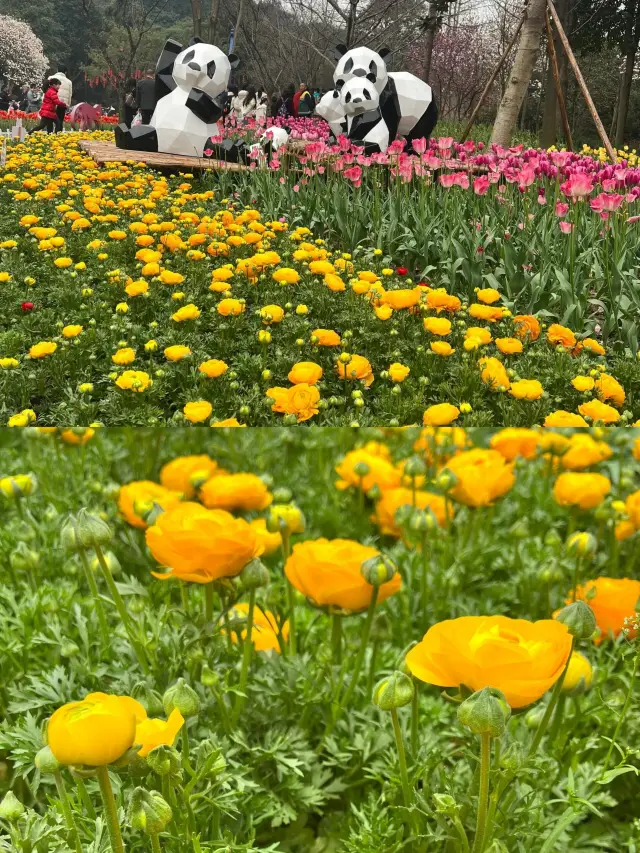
[351,23]
[521,72]
[196,14]
[236,31]
[549,134]
[213,20]
[430,36]
[631,38]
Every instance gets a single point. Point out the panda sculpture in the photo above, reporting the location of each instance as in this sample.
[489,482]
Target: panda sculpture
[380,105]
[238,151]
[189,83]
[330,108]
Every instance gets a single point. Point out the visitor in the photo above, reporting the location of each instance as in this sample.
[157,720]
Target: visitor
[303,103]
[65,94]
[237,105]
[130,103]
[51,103]
[146,96]
[249,104]
[227,106]
[317,94]
[262,102]
[34,99]
[284,105]
[5,97]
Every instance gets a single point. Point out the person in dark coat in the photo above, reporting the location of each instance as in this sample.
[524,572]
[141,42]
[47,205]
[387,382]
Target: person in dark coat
[146,96]
[130,103]
[284,106]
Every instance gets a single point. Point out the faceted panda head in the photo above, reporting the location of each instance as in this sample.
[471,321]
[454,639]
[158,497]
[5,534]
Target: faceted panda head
[359,96]
[364,63]
[330,107]
[202,66]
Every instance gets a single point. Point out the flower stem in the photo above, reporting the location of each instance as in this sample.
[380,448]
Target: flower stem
[246,658]
[483,794]
[186,763]
[623,714]
[415,719]
[535,743]
[122,610]
[286,550]
[93,586]
[110,810]
[155,843]
[366,631]
[208,602]
[402,760]
[576,577]
[66,811]
[336,638]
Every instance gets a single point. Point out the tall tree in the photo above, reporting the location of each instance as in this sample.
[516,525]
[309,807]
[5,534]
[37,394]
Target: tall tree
[630,47]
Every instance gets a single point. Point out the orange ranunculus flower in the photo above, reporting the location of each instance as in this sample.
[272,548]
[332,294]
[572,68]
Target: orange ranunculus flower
[522,659]
[598,411]
[264,634]
[398,299]
[560,418]
[583,451]
[585,491]
[481,476]
[186,473]
[624,529]
[560,335]
[632,507]
[437,326]
[636,450]
[328,572]
[516,441]
[393,499]
[155,732]
[231,307]
[326,338]
[479,332]
[493,373]
[526,389]
[358,368]
[607,388]
[527,326]
[140,495]
[613,601]
[381,472]
[485,312]
[439,300]
[96,731]
[301,400]
[305,372]
[270,542]
[440,443]
[441,414]
[488,295]
[509,346]
[201,545]
[236,492]
[583,383]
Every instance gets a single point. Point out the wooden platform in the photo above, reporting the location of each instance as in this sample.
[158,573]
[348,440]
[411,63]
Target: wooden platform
[106,152]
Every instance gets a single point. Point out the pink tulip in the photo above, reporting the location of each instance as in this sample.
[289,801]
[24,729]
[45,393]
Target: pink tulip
[561,208]
[566,227]
[578,186]
[481,185]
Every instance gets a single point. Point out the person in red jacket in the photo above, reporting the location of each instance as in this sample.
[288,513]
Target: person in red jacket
[50,102]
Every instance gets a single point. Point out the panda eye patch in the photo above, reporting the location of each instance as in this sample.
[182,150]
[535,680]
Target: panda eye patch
[371,78]
[366,93]
[211,68]
[372,70]
[188,57]
[339,84]
[348,65]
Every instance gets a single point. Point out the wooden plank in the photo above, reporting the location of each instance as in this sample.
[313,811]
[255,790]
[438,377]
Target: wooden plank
[106,152]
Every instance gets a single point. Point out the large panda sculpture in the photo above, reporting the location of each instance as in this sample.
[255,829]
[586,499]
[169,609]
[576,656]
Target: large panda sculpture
[189,83]
[379,105]
[330,108]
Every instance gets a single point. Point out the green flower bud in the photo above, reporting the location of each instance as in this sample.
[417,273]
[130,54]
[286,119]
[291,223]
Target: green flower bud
[445,804]
[374,492]
[520,530]
[18,486]
[11,809]
[423,521]
[113,564]
[22,558]
[285,518]
[254,575]
[378,570]
[579,619]
[46,762]
[552,539]
[446,480]
[148,811]
[361,469]
[282,495]
[209,677]
[148,511]
[84,531]
[485,712]
[415,467]
[164,760]
[403,515]
[582,544]
[512,758]
[533,718]
[393,692]
[182,697]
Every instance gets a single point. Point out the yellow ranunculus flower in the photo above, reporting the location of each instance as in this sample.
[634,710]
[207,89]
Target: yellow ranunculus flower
[440,415]
[305,372]
[579,674]
[393,499]
[522,659]
[585,491]
[197,411]
[480,476]
[96,731]
[186,473]
[516,441]
[239,492]
[264,634]
[143,494]
[270,542]
[71,331]
[43,349]
[152,733]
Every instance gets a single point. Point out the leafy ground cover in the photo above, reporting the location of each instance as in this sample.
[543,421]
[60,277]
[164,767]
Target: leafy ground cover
[382,576]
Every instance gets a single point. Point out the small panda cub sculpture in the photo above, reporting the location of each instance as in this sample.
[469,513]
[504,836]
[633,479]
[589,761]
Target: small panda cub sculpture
[189,83]
[378,105]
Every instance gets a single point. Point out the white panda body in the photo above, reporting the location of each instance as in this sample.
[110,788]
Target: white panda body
[414,97]
[274,139]
[331,109]
[361,62]
[201,67]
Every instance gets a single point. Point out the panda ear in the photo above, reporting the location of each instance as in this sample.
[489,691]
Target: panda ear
[234,61]
[383,52]
[195,40]
[340,50]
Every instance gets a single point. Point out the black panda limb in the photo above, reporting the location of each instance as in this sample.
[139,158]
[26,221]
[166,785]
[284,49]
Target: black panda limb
[204,107]
[426,123]
[164,68]
[140,137]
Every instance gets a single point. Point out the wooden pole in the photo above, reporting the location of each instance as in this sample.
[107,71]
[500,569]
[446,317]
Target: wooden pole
[581,82]
[556,79]
[491,80]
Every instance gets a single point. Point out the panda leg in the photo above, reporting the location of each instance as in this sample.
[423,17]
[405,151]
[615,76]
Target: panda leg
[425,124]
[141,137]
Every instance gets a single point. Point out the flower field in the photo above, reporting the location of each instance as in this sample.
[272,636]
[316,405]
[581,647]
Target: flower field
[460,286]
[325,641]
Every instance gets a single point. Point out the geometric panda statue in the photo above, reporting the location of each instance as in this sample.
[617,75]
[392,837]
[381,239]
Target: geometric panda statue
[380,105]
[189,82]
[330,108]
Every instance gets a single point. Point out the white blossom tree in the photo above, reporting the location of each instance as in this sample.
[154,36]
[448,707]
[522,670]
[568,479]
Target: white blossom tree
[22,58]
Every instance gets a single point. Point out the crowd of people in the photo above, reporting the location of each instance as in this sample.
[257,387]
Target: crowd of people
[51,101]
